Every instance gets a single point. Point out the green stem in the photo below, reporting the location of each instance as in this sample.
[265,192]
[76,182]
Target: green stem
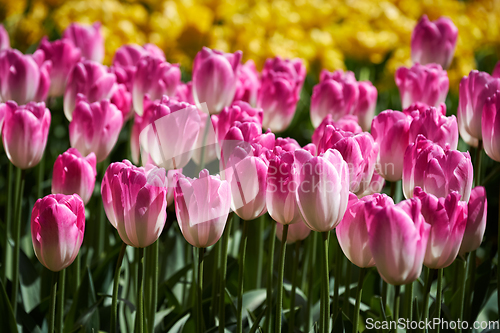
[396,305]
[215,279]
[154,299]
[477,166]
[39,188]
[438,296]
[281,267]
[462,290]
[187,248]
[339,256]
[384,294]
[393,190]
[409,301]
[201,255]
[347,292]
[359,292]
[259,243]
[116,284]
[222,295]
[313,239]
[243,249]
[428,283]
[60,300]
[139,314]
[269,288]
[470,284]
[326,285]
[296,259]
[17,237]
[8,223]
[148,283]
[52,306]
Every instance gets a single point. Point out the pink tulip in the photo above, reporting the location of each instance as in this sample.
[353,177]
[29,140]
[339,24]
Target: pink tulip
[202,206]
[359,151]
[154,77]
[24,78]
[239,111]
[91,81]
[447,217]
[107,188]
[95,128]
[4,39]
[170,133]
[434,126]
[266,140]
[347,123]
[64,55]
[390,130]
[376,185]
[248,84]
[436,170]
[88,39]
[215,75]
[74,173]
[282,81]
[122,99]
[172,182]
[422,83]
[496,71]
[476,220]
[138,200]
[419,108]
[475,89]
[184,93]
[434,42]
[322,188]
[296,232]
[25,132]
[367,101]
[352,232]
[206,142]
[286,144]
[398,238]
[490,127]
[57,229]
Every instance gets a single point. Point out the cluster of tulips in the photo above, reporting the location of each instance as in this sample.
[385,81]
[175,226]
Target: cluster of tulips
[332,183]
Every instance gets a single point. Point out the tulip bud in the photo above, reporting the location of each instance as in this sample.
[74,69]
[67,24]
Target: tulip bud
[347,123]
[4,39]
[155,77]
[490,127]
[296,232]
[24,78]
[391,130]
[25,132]
[172,182]
[476,220]
[434,42]
[436,170]
[88,39]
[91,81]
[352,232]
[434,126]
[202,206]
[57,229]
[248,84]
[95,128]
[422,83]
[322,188]
[447,218]
[418,109]
[184,93]
[365,107]
[279,93]
[74,173]
[64,55]
[122,99]
[107,188]
[239,111]
[215,74]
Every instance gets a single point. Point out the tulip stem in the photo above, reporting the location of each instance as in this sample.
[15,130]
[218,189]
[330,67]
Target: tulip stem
[396,306]
[116,284]
[409,301]
[243,249]
[438,296]
[52,306]
[222,295]
[463,280]
[384,295]
[8,224]
[269,288]
[201,256]
[260,250]
[279,300]
[310,278]
[470,285]
[347,291]
[60,301]
[339,263]
[326,285]
[17,237]
[359,292]
[215,279]
[479,151]
[139,314]
[428,283]
[296,259]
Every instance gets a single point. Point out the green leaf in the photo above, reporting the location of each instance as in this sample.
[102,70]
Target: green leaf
[179,325]
[30,283]
[342,324]
[6,313]
[82,314]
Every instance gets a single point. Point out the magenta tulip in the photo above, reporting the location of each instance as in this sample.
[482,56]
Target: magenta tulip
[296,232]
[184,93]
[239,111]
[434,41]
[172,182]
[248,84]
[154,77]
[206,143]
[74,173]
[352,232]
[367,101]
[122,99]
[215,75]
[322,189]
[106,188]
[25,132]
[347,123]
[95,128]
[57,229]
[64,55]
[447,217]
[490,126]
[422,83]
[476,220]
[436,170]
[282,81]
[202,206]
[418,109]
[475,89]
[434,126]
[4,38]
[376,185]
[391,130]
[87,80]
[88,39]
[287,144]
[398,238]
